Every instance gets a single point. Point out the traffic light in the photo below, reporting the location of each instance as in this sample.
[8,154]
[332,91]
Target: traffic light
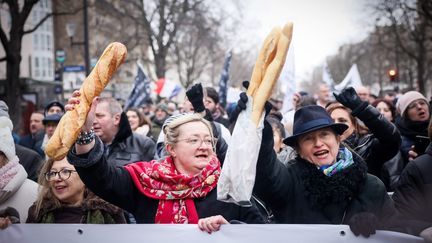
[392,73]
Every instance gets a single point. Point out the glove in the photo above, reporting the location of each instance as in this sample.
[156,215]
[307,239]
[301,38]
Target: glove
[196,95]
[12,213]
[349,98]
[364,223]
[241,104]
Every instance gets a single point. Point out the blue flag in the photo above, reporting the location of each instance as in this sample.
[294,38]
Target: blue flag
[223,82]
[141,90]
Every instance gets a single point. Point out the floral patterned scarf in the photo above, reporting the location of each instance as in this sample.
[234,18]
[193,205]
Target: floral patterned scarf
[175,191]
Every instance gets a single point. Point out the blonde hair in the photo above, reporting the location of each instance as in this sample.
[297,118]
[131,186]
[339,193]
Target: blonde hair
[172,124]
[45,193]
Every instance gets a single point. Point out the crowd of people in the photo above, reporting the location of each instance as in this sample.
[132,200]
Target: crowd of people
[347,158]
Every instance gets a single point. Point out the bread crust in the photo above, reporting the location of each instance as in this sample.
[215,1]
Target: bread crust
[70,125]
[268,68]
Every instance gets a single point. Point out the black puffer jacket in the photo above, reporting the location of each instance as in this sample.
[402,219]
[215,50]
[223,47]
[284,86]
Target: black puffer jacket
[413,196]
[301,194]
[381,145]
[115,185]
[128,147]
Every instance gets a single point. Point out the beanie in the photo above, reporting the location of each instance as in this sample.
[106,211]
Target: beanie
[406,99]
[7,145]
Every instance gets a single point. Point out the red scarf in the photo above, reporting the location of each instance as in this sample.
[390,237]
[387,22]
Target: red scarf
[175,191]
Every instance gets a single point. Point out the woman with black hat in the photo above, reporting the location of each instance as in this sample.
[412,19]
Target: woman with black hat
[326,183]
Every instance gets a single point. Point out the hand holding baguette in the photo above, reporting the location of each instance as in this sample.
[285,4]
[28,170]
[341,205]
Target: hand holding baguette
[71,123]
[268,67]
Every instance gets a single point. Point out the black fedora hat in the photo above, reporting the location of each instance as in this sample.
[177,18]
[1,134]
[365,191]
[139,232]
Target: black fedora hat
[311,118]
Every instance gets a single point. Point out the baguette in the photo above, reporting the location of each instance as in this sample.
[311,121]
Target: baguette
[70,125]
[266,55]
[271,73]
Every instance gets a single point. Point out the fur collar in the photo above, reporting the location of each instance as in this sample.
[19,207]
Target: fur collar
[91,202]
[321,190]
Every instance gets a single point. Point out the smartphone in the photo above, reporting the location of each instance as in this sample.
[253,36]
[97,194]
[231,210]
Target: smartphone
[420,144]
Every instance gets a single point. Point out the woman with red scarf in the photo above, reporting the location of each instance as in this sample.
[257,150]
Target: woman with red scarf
[181,188]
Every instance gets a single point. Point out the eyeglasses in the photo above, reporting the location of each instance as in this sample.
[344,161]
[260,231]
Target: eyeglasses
[63,174]
[197,142]
[417,103]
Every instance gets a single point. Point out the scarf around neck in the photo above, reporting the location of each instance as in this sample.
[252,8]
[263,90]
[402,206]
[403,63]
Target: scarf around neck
[175,191]
[8,171]
[410,128]
[343,160]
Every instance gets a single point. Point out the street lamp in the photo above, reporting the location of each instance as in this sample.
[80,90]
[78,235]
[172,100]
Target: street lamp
[70,31]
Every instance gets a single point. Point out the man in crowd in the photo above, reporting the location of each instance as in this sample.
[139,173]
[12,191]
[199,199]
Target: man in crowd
[323,95]
[54,107]
[122,145]
[161,114]
[36,133]
[364,93]
[50,122]
[211,102]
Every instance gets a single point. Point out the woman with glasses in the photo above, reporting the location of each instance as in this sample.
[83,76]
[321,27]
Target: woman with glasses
[414,112]
[63,198]
[180,188]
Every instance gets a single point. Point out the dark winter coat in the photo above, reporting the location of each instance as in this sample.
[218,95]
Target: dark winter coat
[381,145]
[115,185]
[301,194]
[413,196]
[128,147]
[34,142]
[30,160]
[93,210]
[409,130]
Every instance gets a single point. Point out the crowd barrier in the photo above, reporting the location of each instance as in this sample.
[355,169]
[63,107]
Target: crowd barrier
[155,233]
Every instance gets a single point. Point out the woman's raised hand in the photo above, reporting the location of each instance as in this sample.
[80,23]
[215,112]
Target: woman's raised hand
[74,100]
[211,224]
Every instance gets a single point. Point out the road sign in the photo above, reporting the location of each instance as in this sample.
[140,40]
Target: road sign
[60,56]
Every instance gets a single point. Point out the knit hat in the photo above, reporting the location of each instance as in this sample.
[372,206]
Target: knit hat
[4,109]
[7,145]
[406,99]
[164,108]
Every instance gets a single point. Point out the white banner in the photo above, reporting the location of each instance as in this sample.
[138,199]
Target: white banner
[352,79]
[68,233]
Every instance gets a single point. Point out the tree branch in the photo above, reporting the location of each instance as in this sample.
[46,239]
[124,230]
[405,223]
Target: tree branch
[48,15]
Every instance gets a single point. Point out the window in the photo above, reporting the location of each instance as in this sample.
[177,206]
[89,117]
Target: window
[44,65]
[36,41]
[48,42]
[36,67]
[50,68]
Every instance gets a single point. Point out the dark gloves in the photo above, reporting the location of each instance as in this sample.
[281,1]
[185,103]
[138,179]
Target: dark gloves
[196,95]
[364,223]
[349,98]
[241,104]
[11,213]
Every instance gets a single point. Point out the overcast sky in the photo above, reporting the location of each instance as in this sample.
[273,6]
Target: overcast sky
[320,26]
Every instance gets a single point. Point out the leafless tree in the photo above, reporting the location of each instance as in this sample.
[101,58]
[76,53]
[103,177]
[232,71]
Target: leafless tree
[412,30]
[19,12]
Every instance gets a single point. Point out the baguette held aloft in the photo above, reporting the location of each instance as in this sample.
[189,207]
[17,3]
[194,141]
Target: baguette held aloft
[70,125]
[268,67]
